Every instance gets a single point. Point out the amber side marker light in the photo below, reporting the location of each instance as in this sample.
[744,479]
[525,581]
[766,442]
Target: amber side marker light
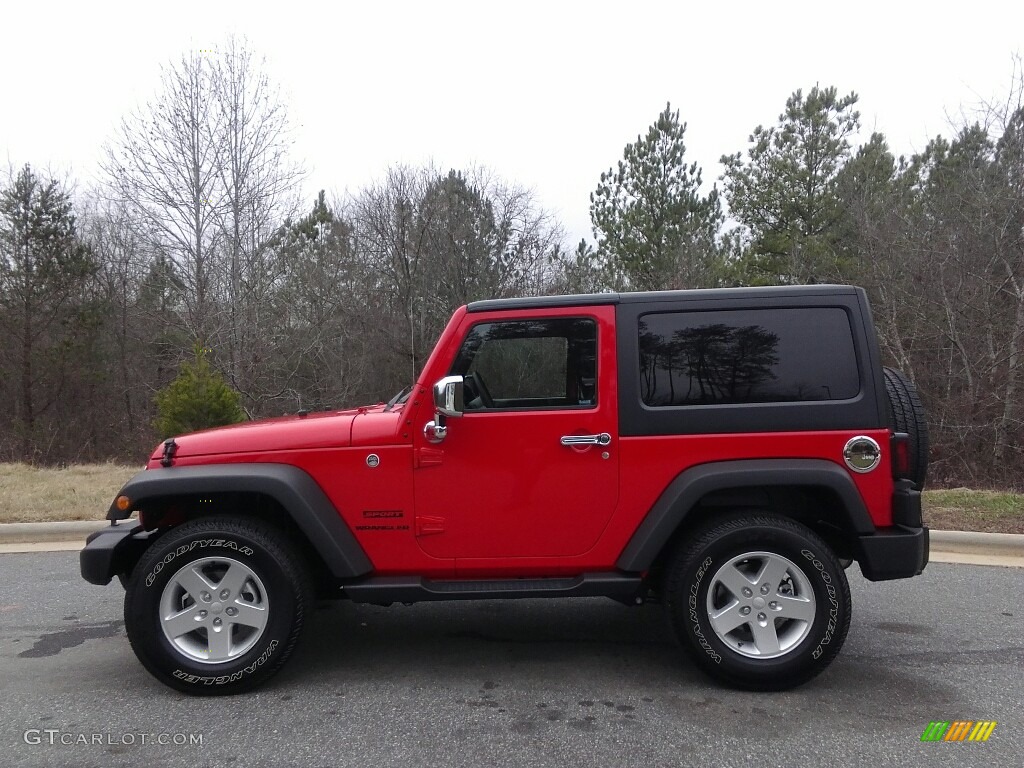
[123,503]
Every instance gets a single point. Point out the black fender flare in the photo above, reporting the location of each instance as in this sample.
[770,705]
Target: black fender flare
[297,493]
[682,494]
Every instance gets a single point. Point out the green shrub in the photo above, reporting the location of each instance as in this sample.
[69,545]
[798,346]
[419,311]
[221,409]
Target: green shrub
[199,398]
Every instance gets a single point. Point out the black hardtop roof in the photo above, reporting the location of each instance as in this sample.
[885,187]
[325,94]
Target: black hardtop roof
[701,294]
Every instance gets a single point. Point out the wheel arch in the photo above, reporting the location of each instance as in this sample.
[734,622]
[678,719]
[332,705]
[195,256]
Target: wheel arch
[704,492]
[281,494]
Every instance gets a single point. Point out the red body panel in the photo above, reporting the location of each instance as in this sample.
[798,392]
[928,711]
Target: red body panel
[374,427]
[376,503]
[501,492]
[320,430]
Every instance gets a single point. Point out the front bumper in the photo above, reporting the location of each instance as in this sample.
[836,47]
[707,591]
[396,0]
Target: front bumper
[112,551]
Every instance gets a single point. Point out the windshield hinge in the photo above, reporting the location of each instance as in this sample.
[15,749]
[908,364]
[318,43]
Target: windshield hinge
[169,448]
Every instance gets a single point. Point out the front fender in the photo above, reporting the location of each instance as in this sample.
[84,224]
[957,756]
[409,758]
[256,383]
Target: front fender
[297,493]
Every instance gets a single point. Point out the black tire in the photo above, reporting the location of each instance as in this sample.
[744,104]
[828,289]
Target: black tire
[277,589]
[811,644]
[906,414]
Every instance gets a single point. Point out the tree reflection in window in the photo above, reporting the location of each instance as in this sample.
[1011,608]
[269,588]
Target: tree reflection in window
[708,364]
[747,356]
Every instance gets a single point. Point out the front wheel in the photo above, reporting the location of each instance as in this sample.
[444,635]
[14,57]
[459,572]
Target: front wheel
[216,605]
[760,602]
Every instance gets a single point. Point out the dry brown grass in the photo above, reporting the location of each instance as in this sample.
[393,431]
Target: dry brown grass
[41,494]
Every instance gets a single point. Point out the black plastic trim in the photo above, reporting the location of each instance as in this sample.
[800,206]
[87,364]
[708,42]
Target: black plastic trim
[704,294]
[297,492]
[104,551]
[862,412]
[683,493]
[894,553]
[544,302]
[738,294]
[872,370]
[402,589]
[906,504]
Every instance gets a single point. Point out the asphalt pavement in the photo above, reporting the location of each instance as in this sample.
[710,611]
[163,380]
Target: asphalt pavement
[516,683]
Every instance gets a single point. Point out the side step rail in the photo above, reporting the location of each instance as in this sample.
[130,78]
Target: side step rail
[401,589]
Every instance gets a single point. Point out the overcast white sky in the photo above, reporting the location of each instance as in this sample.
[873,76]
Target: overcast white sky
[545,93]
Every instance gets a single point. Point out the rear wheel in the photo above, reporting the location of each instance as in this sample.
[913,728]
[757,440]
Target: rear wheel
[759,602]
[216,606]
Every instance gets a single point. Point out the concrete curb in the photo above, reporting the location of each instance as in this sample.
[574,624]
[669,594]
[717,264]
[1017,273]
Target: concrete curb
[973,543]
[38,533]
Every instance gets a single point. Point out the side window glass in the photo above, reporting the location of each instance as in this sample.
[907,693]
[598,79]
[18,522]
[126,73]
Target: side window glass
[527,364]
[517,369]
[747,356]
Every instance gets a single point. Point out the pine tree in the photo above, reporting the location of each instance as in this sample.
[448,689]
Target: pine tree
[44,274]
[785,192]
[199,398]
[654,228]
[465,246]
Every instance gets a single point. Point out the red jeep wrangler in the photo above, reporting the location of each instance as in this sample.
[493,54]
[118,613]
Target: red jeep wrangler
[726,452]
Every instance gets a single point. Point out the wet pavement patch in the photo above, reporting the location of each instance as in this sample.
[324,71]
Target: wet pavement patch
[54,642]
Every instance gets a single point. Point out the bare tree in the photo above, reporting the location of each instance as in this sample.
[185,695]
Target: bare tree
[392,238]
[258,185]
[533,236]
[204,172]
[164,167]
[326,355]
[435,241]
[140,326]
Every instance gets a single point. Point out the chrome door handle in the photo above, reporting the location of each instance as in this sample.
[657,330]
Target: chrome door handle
[603,439]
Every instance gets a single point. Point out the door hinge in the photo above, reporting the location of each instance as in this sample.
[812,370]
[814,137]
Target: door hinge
[427,525]
[429,457]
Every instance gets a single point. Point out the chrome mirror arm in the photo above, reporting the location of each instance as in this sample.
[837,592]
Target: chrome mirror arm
[435,431]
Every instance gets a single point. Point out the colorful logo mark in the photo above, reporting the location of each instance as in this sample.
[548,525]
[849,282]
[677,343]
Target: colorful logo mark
[959,730]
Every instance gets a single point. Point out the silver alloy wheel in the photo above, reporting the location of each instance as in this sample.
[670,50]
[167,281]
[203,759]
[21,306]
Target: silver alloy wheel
[214,610]
[761,605]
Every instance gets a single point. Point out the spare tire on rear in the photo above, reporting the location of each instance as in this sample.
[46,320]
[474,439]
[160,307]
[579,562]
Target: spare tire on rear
[906,414]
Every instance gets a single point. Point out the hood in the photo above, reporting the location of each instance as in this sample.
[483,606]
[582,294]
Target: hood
[286,433]
[331,429]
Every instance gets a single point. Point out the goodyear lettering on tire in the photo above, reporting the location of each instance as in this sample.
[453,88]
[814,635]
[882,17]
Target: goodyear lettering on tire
[694,589]
[186,548]
[833,614]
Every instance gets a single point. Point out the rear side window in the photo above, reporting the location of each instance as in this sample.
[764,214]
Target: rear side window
[747,356]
